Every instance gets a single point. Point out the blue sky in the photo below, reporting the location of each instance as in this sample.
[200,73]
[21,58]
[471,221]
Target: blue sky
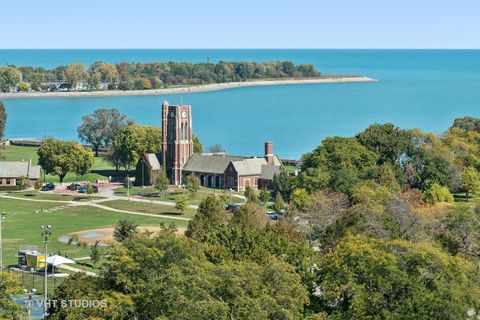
[240,24]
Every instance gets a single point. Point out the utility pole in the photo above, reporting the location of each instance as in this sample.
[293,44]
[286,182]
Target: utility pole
[2,218]
[46,232]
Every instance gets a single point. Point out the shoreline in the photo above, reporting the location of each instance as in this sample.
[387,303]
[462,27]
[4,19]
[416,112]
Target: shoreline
[187,89]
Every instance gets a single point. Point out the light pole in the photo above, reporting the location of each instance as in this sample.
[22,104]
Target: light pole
[46,232]
[2,218]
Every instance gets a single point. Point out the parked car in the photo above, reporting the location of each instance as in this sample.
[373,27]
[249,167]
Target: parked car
[48,187]
[83,189]
[232,207]
[274,216]
[74,187]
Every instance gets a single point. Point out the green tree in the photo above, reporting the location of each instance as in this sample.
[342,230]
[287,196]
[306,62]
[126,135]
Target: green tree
[389,142]
[9,78]
[23,87]
[250,216]
[99,129]
[250,194]
[279,204]
[301,199]
[161,181]
[470,180]
[210,216]
[9,286]
[124,229]
[80,286]
[181,203]
[264,196]
[345,159]
[364,278]
[192,184]
[436,193]
[95,253]
[132,141]
[197,145]
[3,120]
[60,157]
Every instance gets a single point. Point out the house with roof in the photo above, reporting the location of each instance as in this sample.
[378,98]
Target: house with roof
[11,173]
[215,170]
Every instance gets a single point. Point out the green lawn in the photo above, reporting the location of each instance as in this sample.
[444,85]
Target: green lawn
[34,194]
[22,226]
[202,194]
[100,170]
[147,208]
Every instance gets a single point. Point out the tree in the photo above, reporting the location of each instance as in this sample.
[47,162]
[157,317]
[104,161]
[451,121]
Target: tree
[3,120]
[161,181]
[470,180]
[9,78]
[301,199]
[95,253]
[216,148]
[9,286]
[181,203]
[23,87]
[250,216]
[132,141]
[124,229]
[364,278]
[279,204]
[264,196]
[60,157]
[389,142]
[436,193]
[197,145]
[345,159]
[284,184]
[467,123]
[210,216]
[250,194]
[75,73]
[99,129]
[192,184]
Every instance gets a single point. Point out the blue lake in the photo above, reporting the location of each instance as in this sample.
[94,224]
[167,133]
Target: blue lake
[417,88]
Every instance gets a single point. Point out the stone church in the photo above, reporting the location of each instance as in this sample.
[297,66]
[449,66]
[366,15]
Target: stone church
[215,170]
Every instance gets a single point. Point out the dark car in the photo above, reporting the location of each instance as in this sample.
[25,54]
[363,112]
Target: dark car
[232,207]
[95,188]
[274,216]
[84,189]
[74,187]
[48,187]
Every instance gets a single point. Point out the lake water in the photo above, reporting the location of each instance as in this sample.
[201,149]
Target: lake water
[424,89]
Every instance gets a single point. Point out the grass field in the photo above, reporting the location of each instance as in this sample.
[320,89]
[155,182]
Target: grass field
[36,195]
[101,169]
[147,208]
[174,192]
[22,226]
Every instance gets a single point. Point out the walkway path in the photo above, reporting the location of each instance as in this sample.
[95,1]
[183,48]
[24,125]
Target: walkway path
[76,270]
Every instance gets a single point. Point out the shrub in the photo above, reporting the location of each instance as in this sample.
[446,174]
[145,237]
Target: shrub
[437,193]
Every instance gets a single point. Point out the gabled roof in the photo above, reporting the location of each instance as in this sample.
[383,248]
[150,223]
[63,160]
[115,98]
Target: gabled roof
[17,169]
[249,167]
[153,160]
[209,163]
[269,171]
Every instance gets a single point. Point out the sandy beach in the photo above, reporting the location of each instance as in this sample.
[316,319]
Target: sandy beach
[189,89]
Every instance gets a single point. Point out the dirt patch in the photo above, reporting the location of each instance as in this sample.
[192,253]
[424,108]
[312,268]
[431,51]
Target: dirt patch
[105,235]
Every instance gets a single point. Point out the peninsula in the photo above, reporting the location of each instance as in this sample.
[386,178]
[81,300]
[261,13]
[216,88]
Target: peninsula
[186,89]
[132,79]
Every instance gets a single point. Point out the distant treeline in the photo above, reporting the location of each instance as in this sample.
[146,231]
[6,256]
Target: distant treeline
[140,76]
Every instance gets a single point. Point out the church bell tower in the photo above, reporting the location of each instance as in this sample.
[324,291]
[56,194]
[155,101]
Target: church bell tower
[177,139]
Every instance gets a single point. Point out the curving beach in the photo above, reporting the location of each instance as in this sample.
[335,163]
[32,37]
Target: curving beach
[186,89]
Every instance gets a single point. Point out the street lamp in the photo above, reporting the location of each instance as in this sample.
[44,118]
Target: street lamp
[2,218]
[46,232]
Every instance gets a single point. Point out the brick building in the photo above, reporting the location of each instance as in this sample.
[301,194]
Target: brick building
[214,170]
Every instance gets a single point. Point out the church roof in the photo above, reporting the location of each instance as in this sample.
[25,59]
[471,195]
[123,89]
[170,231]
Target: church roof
[17,169]
[269,171]
[212,163]
[249,167]
[153,160]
